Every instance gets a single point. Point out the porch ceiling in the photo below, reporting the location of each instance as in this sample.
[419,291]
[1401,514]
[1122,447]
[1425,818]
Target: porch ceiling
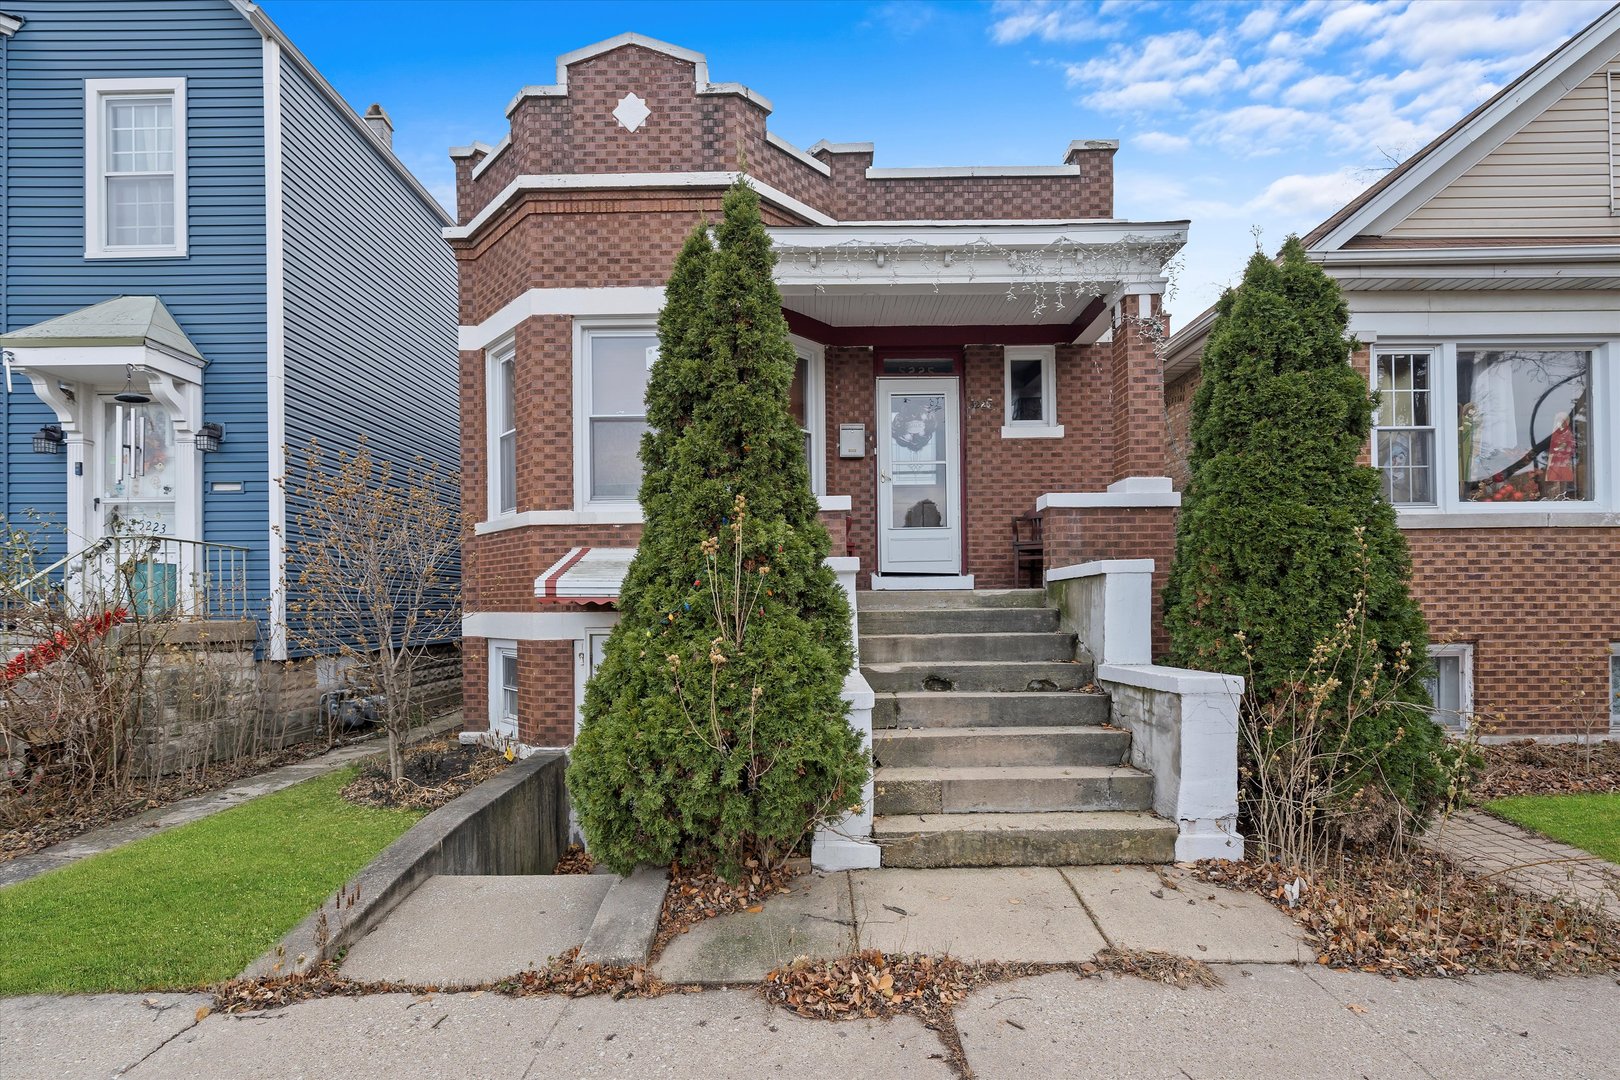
[903,306]
[971,274]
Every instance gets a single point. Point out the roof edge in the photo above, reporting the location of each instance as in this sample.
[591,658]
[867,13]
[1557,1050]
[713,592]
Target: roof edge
[699,62]
[268,29]
[10,24]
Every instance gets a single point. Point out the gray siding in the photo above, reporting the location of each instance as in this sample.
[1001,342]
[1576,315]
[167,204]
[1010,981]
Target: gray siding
[217,293]
[370,296]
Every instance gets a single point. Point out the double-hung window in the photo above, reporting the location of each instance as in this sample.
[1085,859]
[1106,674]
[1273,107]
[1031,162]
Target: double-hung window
[135,168]
[614,362]
[1029,388]
[805,402]
[1403,429]
[500,376]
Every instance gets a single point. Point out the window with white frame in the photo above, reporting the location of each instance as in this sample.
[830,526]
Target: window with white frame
[503,689]
[1614,688]
[135,168]
[1524,425]
[805,402]
[614,363]
[500,379]
[1403,428]
[1029,388]
[1451,686]
[1465,428]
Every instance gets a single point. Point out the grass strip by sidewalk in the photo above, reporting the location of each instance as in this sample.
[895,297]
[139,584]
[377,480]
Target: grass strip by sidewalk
[1589,822]
[194,905]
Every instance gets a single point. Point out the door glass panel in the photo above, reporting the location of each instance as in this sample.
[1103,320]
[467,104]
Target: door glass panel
[138,469]
[918,470]
[917,427]
[919,497]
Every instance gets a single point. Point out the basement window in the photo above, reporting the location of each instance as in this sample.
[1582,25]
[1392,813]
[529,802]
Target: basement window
[1451,687]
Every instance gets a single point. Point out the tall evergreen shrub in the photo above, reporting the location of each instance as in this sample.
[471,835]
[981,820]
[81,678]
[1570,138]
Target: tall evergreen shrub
[1269,543]
[714,729]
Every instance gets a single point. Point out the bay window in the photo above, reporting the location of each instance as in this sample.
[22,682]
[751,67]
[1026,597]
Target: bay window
[135,168]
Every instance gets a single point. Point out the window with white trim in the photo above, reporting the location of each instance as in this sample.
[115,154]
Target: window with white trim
[614,366]
[1029,388]
[503,689]
[501,380]
[1614,688]
[135,168]
[1403,427]
[1451,686]
[1494,427]
[806,402]
[1524,425]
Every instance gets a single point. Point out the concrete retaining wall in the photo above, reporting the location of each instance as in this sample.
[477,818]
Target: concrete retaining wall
[515,823]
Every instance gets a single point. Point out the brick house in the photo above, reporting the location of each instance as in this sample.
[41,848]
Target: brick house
[975,344]
[1482,279]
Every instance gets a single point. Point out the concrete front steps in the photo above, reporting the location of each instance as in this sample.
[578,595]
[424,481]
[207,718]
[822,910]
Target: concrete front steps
[993,747]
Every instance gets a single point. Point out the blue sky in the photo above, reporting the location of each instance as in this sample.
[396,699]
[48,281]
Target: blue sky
[1236,115]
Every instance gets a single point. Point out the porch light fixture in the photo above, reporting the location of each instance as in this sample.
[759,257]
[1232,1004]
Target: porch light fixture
[130,396]
[48,440]
[208,437]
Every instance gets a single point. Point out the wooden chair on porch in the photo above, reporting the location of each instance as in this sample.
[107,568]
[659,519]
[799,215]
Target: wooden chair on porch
[1029,550]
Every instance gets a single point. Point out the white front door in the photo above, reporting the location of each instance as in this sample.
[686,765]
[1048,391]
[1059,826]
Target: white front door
[919,476]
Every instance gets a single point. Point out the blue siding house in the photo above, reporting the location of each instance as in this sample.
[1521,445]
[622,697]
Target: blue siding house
[206,257]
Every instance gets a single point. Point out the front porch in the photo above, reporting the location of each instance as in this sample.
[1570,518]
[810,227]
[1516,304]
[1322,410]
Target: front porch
[958,375]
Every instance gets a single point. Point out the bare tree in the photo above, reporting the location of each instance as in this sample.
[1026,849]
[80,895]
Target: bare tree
[373,573]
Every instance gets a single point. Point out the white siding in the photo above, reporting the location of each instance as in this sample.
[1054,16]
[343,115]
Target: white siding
[1555,177]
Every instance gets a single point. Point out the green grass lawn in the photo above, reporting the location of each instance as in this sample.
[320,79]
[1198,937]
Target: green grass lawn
[1589,822]
[194,905]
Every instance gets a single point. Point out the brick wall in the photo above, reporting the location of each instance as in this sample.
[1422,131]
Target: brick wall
[1540,607]
[1077,535]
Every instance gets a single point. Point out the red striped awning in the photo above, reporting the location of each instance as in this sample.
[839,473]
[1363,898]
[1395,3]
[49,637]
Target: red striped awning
[585,576]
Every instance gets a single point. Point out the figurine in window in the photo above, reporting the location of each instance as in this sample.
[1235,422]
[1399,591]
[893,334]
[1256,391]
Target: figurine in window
[1560,474]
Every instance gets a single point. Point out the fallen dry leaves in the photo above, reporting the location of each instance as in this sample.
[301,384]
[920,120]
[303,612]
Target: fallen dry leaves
[1421,914]
[698,893]
[1154,966]
[435,773]
[1531,768]
[575,861]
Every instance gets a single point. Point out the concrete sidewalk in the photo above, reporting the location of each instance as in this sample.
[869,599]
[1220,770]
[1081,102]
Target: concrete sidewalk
[185,811]
[1267,1020]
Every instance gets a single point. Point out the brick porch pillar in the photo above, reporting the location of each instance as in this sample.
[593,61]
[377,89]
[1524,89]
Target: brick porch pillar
[1136,517]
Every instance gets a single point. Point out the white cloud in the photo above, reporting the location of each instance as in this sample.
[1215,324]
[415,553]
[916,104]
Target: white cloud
[1053,20]
[1301,196]
[1161,142]
[1258,23]
[1318,90]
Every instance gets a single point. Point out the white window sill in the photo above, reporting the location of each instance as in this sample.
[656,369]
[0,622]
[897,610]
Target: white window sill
[833,503]
[136,253]
[1506,518]
[1032,431]
[602,515]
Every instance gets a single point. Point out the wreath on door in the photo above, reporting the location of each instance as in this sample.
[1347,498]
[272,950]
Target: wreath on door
[914,430]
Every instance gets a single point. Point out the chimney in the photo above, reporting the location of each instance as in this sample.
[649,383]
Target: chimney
[380,125]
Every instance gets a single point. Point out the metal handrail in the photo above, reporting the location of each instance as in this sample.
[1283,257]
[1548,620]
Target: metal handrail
[159,576]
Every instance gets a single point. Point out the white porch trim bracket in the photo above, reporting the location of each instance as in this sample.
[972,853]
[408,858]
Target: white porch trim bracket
[1183,724]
